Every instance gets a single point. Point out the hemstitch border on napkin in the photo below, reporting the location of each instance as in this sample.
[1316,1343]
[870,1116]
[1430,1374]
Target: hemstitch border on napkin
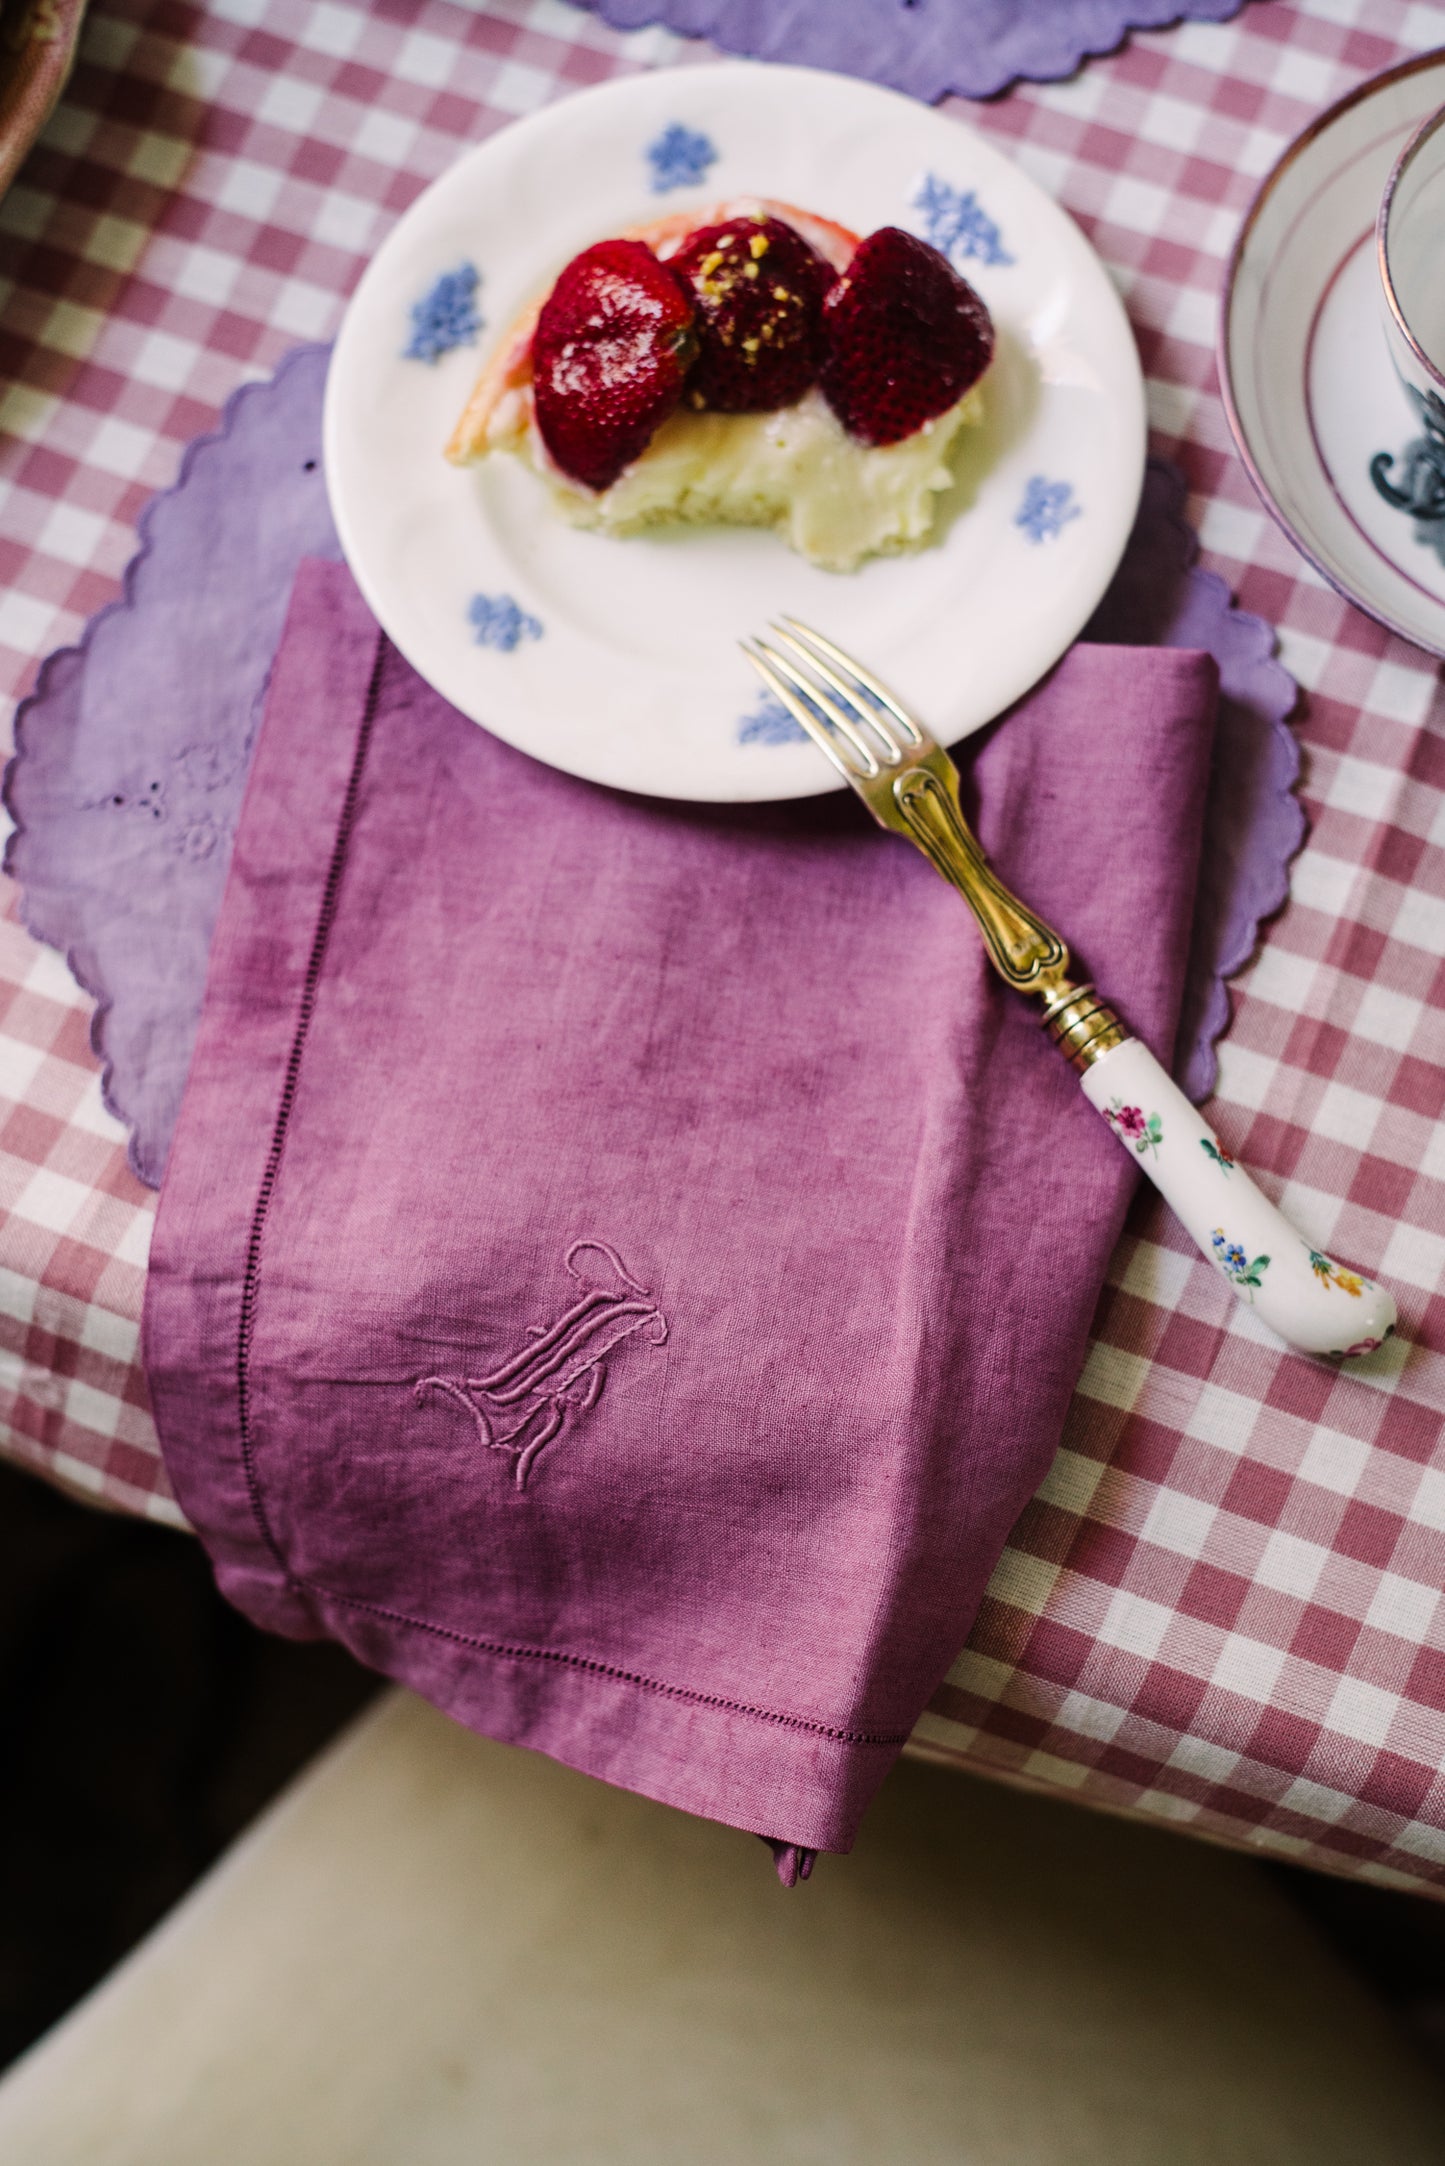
[558,1658]
[251,1276]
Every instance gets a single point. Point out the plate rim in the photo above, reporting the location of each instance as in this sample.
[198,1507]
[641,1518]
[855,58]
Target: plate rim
[1294,149]
[1128,394]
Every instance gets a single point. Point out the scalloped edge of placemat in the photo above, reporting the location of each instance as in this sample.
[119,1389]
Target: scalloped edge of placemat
[820,38]
[146,1162]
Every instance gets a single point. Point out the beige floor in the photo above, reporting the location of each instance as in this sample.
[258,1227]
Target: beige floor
[437,1952]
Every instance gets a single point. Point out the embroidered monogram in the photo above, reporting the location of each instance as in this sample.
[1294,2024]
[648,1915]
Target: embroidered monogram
[562,1370]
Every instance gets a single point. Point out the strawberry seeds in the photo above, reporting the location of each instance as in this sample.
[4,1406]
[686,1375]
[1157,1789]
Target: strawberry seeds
[744,318]
[904,337]
[610,355]
[758,291]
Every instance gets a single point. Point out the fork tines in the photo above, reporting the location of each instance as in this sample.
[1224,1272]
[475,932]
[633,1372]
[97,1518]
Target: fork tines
[845,710]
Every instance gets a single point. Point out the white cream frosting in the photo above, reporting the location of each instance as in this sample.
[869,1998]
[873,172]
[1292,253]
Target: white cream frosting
[796,469]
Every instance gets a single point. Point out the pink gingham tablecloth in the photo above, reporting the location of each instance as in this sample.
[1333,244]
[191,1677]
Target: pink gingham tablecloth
[1224,1607]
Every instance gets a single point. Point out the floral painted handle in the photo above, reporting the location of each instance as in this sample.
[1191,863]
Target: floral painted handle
[911,787]
[1313,1302]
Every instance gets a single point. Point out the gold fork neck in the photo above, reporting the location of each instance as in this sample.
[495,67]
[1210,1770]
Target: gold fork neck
[1082,1026]
[1024,950]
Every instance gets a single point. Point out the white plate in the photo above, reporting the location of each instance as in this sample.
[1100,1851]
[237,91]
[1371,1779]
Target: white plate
[628,670]
[1309,386]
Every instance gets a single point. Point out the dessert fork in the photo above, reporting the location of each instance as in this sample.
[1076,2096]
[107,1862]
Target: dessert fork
[910,785]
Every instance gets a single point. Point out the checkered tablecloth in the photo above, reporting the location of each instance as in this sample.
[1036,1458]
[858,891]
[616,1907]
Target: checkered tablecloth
[1224,1607]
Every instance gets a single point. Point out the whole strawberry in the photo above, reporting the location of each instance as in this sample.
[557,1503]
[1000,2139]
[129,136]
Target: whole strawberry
[904,338]
[758,289]
[613,345]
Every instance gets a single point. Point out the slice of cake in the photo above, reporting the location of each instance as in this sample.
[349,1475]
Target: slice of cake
[752,365]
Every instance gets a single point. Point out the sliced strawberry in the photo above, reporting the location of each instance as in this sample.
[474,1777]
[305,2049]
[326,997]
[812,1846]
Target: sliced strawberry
[613,344]
[758,288]
[904,338]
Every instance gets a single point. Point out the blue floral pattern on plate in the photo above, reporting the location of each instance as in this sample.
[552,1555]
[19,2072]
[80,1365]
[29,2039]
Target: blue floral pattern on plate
[678,157]
[1047,508]
[770,724]
[957,224]
[446,316]
[497,621]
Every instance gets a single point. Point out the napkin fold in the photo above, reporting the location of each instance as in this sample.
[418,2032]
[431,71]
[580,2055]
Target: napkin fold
[622,1267]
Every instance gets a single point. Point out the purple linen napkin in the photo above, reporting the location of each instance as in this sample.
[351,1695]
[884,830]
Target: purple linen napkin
[623,1267]
[132,752]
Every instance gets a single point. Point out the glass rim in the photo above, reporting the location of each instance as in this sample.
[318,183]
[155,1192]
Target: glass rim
[1429,127]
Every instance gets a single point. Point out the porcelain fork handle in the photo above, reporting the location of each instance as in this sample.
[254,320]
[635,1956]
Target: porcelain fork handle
[1298,1291]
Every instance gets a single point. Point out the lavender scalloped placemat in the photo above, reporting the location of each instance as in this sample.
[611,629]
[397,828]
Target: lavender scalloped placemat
[133,750]
[926,47]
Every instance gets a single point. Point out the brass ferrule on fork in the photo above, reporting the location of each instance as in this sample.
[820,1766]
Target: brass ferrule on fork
[1082,1026]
